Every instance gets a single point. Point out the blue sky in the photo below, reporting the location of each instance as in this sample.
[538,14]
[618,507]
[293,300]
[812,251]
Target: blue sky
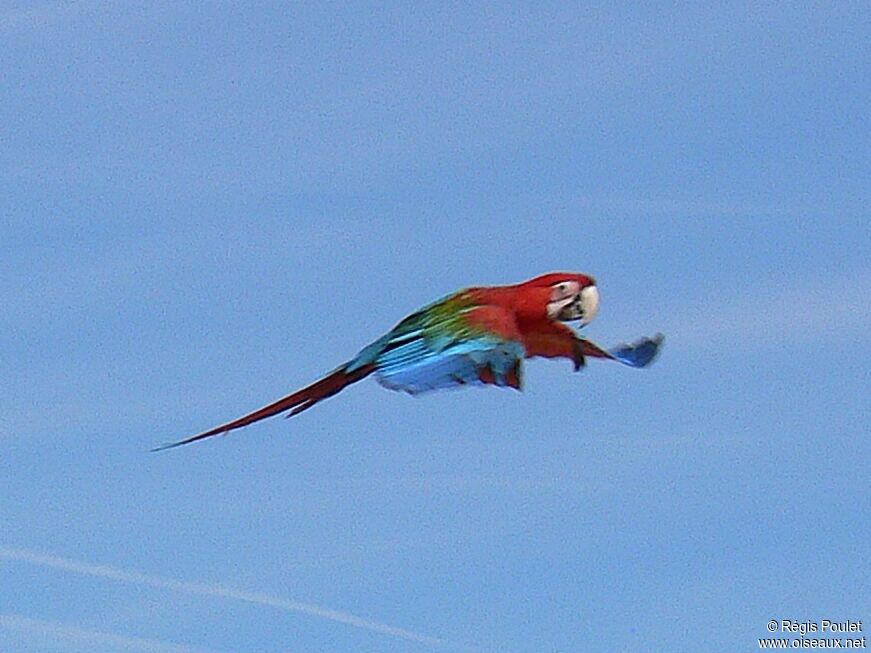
[206,206]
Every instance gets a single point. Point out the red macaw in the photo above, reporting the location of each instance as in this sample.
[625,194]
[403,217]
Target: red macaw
[477,336]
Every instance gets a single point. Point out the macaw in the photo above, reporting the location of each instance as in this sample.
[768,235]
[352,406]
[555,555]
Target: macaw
[476,336]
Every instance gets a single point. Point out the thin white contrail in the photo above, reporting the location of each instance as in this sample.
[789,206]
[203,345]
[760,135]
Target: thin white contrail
[68,633]
[218,591]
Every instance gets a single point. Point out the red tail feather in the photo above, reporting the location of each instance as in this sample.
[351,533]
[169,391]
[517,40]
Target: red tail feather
[296,402]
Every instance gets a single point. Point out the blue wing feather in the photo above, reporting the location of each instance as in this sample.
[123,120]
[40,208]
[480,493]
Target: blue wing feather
[640,353]
[416,367]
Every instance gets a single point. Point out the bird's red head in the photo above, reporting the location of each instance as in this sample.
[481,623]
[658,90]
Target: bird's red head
[572,296]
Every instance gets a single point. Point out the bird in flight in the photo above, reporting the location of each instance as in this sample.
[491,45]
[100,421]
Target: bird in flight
[476,336]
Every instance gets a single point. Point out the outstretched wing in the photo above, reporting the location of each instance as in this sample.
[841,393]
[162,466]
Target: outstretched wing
[556,340]
[639,353]
[451,343]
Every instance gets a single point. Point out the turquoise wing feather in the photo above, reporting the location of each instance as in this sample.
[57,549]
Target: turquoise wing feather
[477,361]
[446,345]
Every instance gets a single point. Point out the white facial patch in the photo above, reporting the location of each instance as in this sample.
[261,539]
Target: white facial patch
[561,296]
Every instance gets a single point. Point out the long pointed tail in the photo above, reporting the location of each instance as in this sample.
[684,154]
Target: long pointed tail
[296,402]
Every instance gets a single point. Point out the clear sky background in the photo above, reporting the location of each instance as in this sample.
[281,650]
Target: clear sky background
[207,205]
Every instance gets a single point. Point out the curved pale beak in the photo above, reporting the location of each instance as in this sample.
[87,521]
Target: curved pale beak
[582,306]
[589,299]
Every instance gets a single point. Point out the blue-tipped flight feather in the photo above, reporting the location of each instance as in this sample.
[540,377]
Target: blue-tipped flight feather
[640,353]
